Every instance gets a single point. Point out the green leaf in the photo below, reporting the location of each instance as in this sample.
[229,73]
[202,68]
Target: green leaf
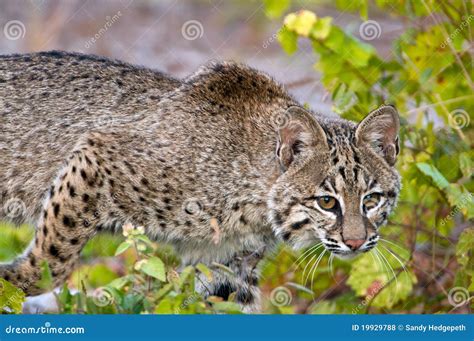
[321,28]
[434,174]
[288,40]
[123,247]
[275,8]
[185,276]
[154,267]
[163,291]
[205,270]
[121,282]
[465,256]
[465,163]
[465,248]
[11,298]
[222,267]
[371,277]
[166,306]
[46,281]
[99,275]
[227,307]
[343,99]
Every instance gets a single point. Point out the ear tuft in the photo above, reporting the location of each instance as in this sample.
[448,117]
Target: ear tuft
[379,130]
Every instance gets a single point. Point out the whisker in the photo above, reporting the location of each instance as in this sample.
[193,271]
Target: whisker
[331,258]
[398,259]
[316,267]
[390,242]
[391,269]
[308,252]
[304,270]
[375,261]
[311,254]
[384,267]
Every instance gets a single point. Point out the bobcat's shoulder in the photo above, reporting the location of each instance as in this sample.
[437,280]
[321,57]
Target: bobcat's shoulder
[221,164]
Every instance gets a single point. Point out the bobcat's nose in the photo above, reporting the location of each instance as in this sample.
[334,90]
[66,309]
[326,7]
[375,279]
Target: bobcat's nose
[354,244]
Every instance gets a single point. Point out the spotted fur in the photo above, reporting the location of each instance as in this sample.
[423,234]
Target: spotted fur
[222,165]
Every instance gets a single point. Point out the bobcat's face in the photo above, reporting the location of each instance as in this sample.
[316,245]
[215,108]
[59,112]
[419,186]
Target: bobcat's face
[338,182]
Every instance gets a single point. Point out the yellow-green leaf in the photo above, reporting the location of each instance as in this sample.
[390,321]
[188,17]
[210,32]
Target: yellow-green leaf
[123,247]
[301,22]
[154,267]
[321,28]
[434,174]
[11,298]
[288,40]
[205,270]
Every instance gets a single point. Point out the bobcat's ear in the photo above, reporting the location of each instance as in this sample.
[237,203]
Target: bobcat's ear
[299,131]
[379,130]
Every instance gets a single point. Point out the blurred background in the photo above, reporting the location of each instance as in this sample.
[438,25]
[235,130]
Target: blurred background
[338,57]
[178,36]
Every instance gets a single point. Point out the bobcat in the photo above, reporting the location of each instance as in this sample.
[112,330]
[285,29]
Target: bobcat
[221,164]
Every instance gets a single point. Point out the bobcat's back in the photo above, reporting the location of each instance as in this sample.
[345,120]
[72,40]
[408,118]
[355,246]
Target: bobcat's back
[47,101]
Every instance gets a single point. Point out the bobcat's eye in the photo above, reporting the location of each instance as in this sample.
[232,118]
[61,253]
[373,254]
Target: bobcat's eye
[371,200]
[327,202]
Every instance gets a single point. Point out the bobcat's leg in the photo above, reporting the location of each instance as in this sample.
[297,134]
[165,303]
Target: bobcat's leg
[68,220]
[244,281]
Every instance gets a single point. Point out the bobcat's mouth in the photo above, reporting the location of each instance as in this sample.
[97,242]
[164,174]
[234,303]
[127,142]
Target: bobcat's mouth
[344,251]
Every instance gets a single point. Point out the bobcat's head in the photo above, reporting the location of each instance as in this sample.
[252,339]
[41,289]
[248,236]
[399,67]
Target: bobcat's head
[338,183]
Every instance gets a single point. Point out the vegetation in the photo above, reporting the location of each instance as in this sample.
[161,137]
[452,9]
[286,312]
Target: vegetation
[425,262]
